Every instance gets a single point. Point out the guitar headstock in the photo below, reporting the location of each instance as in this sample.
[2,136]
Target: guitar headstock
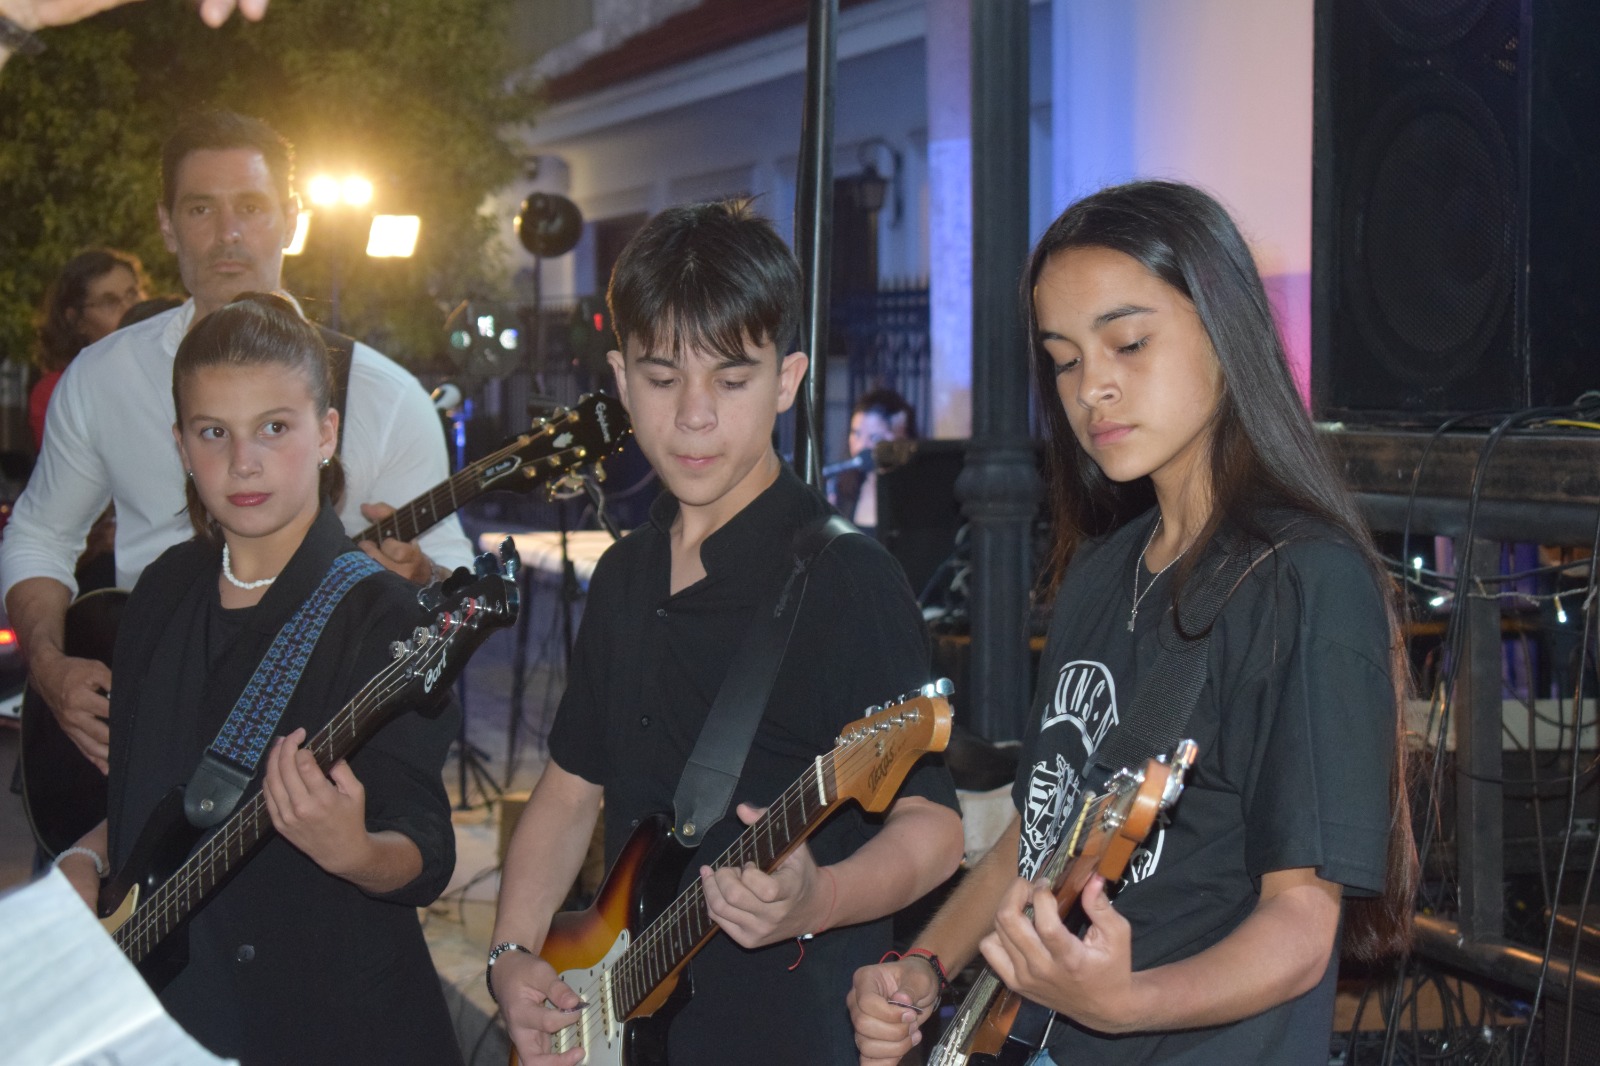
[466,607]
[560,443]
[1134,799]
[874,754]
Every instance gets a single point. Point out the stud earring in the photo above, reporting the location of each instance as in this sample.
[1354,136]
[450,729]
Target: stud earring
[325,461]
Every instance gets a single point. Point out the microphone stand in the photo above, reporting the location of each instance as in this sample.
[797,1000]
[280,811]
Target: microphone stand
[469,759]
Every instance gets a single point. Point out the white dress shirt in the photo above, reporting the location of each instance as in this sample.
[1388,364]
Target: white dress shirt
[108,438]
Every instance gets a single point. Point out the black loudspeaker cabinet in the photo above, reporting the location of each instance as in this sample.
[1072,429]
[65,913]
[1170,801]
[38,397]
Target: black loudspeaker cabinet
[1456,207]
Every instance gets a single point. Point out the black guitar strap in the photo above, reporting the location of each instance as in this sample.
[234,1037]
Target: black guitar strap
[1167,696]
[718,757]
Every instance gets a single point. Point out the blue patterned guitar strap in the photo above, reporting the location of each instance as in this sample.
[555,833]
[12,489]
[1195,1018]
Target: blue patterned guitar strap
[228,765]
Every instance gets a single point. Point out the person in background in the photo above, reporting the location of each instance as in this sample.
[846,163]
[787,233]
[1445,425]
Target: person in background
[85,303]
[877,416]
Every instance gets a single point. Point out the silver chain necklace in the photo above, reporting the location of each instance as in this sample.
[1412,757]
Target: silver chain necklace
[227,572]
[1138,567]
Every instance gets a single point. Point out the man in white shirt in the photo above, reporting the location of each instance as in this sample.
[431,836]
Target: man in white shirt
[228,210]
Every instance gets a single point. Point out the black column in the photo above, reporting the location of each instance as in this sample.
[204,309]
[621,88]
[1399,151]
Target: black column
[813,231]
[999,487]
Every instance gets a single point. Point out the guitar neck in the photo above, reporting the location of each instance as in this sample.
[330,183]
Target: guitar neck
[175,899]
[674,937]
[435,505]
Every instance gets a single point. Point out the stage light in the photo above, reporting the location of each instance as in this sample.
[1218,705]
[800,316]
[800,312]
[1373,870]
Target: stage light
[486,326]
[324,190]
[1438,601]
[1416,564]
[508,339]
[356,191]
[302,226]
[393,236]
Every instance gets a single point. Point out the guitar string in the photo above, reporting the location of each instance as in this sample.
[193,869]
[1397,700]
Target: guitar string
[434,496]
[246,827]
[243,829]
[633,972]
[975,1005]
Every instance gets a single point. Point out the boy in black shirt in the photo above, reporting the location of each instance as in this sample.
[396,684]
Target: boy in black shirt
[702,299]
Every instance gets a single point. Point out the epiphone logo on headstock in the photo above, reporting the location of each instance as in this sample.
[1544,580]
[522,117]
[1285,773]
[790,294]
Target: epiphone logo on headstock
[600,417]
[431,677]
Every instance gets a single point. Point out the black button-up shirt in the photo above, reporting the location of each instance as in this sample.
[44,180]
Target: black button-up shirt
[647,666]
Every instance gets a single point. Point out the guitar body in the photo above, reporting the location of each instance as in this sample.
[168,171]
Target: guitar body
[62,791]
[164,843]
[582,944]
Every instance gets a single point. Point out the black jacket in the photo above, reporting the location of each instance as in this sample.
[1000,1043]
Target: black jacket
[288,963]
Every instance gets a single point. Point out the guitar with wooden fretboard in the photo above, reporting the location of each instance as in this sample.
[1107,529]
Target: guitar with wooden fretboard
[64,794]
[625,955]
[166,877]
[996,1027]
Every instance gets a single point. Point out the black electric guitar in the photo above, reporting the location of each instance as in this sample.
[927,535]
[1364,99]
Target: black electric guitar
[625,955]
[64,793]
[996,1027]
[166,877]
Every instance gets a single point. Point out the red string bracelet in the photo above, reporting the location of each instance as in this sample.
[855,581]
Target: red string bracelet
[922,953]
[833,899]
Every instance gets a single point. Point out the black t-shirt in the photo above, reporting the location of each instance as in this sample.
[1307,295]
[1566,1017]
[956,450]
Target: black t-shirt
[645,670]
[1295,727]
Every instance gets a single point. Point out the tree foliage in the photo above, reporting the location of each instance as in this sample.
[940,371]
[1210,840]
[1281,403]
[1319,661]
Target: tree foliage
[410,93]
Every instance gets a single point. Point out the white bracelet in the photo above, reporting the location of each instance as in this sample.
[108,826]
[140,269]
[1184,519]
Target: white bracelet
[94,856]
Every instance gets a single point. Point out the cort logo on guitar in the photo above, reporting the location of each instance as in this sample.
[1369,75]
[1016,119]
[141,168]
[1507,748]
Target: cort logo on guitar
[431,677]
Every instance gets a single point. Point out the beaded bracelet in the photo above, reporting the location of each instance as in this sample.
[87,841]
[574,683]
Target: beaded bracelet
[488,971]
[94,857]
[926,955]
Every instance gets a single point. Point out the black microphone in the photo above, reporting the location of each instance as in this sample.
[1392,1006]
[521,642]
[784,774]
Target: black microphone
[862,462]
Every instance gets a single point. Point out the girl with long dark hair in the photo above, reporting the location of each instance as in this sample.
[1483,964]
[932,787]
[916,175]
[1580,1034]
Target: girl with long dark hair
[1163,381]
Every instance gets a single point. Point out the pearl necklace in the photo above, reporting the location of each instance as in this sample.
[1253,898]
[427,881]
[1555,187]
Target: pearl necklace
[227,572]
[1139,566]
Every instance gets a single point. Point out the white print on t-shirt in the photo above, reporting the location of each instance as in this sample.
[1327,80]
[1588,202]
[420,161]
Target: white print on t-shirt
[1086,696]
[1052,788]
[1145,858]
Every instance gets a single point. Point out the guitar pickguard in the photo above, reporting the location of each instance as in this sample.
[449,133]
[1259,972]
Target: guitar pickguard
[597,1030]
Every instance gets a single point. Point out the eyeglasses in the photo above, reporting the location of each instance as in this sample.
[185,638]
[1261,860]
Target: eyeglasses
[112,301]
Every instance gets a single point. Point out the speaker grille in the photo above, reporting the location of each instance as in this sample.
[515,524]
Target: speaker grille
[1429,224]
[1427,24]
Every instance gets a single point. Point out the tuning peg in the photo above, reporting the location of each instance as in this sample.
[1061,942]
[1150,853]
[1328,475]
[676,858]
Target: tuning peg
[420,636]
[431,597]
[942,687]
[399,649]
[485,565]
[600,472]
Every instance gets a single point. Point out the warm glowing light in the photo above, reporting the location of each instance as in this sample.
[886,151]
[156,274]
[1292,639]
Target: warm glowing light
[357,191]
[324,190]
[7,636]
[302,226]
[393,236]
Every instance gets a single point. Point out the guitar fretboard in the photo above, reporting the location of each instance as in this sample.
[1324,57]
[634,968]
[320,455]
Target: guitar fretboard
[684,925]
[460,489]
[177,897]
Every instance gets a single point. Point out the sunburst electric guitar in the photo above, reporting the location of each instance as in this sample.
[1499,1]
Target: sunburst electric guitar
[625,955]
[64,794]
[166,877]
[996,1027]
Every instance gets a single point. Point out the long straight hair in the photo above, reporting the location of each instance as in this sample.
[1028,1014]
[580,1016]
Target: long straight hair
[1264,456]
[256,329]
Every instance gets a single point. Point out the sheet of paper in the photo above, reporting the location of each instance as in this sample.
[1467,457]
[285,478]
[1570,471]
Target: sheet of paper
[69,997]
